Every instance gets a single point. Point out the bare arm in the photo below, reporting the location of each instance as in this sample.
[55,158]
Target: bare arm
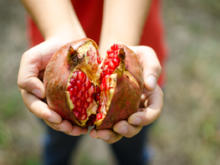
[55,17]
[123,21]
[58,23]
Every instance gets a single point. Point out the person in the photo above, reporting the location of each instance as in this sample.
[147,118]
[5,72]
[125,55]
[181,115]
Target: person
[131,22]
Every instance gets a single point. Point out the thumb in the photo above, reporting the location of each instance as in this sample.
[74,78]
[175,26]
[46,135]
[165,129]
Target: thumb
[151,66]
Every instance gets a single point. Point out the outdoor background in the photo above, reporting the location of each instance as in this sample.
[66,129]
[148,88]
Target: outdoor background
[188,131]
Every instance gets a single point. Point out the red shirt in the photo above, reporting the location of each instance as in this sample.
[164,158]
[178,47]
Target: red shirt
[89,13]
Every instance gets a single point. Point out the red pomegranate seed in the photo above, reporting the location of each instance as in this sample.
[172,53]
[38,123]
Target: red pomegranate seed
[73,99]
[83,116]
[83,88]
[74,90]
[115,61]
[99,116]
[87,84]
[97,96]
[78,83]
[72,81]
[86,105]
[109,51]
[111,65]
[79,94]
[71,91]
[81,76]
[102,87]
[98,89]
[86,95]
[99,60]
[76,113]
[114,47]
[99,109]
[83,110]
[78,103]
[74,75]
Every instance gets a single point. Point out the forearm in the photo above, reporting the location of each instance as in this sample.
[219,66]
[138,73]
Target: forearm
[55,17]
[123,21]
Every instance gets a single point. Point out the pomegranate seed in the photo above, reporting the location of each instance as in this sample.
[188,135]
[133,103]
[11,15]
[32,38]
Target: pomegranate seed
[86,105]
[76,113]
[78,103]
[115,61]
[71,91]
[111,65]
[102,87]
[97,89]
[72,81]
[86,95]
[87,84]
[99,109]
[108,71]
[97,97]
[74,90]
[81,76]
[83,110]
[114,47]
[83,116]
[73,99]
[74,75]
[83,88]
[109,51]
[99,116]
[78,83]
[79,95]
[99,60]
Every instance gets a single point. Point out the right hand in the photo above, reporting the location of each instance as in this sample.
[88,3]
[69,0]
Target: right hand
[33,63]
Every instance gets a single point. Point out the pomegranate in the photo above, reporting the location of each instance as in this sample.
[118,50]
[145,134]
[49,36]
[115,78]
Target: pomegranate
[93,90]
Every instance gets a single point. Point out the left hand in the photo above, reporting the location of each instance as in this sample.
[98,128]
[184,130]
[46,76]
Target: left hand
[152,100]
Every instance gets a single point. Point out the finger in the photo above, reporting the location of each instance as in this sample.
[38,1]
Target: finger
[152,112]
[125,129]
[151,65]
[32,62]
[39,108]
[67,128]
[107,135]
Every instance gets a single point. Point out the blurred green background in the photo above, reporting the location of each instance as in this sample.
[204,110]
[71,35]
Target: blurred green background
[188,131]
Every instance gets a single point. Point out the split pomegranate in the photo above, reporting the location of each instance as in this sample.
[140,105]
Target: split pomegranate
[89,89]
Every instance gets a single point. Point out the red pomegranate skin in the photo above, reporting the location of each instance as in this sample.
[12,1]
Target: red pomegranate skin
[56,78]
[126,98]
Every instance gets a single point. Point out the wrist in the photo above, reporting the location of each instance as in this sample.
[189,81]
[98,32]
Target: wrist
[66,33]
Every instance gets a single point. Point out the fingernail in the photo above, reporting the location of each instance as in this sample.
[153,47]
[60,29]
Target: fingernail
[93,134]
[123,130]
[37,92]
[105,138]
[136,121]
[151,81]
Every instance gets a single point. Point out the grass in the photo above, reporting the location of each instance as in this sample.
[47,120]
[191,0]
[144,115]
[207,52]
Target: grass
[188,131]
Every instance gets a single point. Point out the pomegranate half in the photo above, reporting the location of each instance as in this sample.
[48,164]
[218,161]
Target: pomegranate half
[92,90]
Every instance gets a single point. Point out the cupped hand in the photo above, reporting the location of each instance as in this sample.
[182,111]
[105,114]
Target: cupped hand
[151,100]
[33,63]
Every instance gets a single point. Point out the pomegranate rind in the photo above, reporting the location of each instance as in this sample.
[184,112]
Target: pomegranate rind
[125,96]
[56,79]
[127,93]
[125,101]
